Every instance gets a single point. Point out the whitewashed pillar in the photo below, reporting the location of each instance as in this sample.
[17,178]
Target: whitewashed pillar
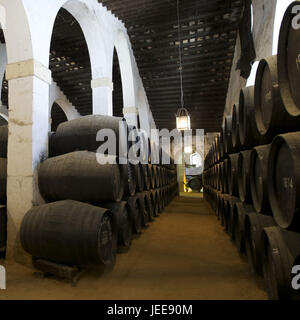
[102,96]
[27,144]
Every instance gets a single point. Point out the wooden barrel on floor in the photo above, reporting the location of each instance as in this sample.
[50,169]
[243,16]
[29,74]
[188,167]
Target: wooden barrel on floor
[240,211]
[232,174]
[78,176]
[3,141]
[254,227]
[123,224]
[143,212]
[288,61]
[3,180]
[69,232]
[81,134]
[284,180]
[244,176]
[148,206]
[248,131]
[135,214]
[230,228]
[270,112]
[259,178]
[155,201]
[128,178]
[236,143]
[146,178]
[228,134]
[3,230]
[281,253]
[139,178]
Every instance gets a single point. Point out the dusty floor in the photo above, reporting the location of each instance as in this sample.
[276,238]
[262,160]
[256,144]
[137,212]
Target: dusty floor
[185,254]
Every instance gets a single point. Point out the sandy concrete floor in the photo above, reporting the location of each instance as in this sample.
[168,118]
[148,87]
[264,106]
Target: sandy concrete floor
[185,254]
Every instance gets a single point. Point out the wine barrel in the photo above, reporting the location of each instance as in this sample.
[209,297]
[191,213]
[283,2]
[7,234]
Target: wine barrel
[150,175]
[154,202]
[232,174]
[152,205]
[254,226]
[81,134]
[123,224]
[134,209]
[3,180]
[78,176]
[236,143]
[3,230]
[153,179]
[248,131]
[195,183]
[69,232]
[3,141]
[259,178]
[146,178]
[159,201]
[156,175]
[230,227]
[225,212]
[225,177]
[228,135]
[148,206]
[139,178]
[270,113]
[281,253]
[288,61]
[143,212]
[128,179]
[244,176]
[221,145]
[284,180]
[240,211]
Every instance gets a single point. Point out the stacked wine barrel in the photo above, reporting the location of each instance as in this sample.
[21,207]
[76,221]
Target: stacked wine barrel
[93,210]
[3,175]
[252,171]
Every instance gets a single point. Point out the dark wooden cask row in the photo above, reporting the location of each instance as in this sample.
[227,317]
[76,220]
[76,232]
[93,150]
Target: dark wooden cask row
[81,134]
[232,174]
[134,209]
[236,142]
[122,223]
[244,176]
[288,60]
[284,180]
[154,202]
[230,228]
[254,227]
[78,176]
[143,209]
[270,113]
[3,141]
[240,211]
[281,254]
[128,179]
[228,135]
[3,180]
[249,134]
[259,178]
[69,232]
[3,230]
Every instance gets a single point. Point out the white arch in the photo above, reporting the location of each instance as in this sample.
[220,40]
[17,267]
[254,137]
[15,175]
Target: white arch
[126,68]
[70,112]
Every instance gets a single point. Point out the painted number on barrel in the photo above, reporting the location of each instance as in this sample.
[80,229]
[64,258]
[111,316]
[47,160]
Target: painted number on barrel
[296,19]
[296,278]
[288,183]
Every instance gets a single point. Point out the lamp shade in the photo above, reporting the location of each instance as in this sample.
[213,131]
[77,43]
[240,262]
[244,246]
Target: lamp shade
[183,120]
